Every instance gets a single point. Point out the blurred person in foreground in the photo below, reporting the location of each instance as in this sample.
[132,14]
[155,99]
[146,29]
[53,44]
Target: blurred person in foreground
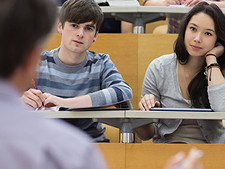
[26,139]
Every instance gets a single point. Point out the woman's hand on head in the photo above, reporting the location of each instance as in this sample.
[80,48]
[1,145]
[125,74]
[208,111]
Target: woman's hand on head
[147,102]
[218,50]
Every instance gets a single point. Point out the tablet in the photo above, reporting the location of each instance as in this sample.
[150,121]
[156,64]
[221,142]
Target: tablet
[181,109]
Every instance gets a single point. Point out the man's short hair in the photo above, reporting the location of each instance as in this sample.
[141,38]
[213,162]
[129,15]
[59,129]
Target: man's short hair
[24,24]
[81,11]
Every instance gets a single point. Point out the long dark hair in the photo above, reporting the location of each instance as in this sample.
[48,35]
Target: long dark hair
[197,88]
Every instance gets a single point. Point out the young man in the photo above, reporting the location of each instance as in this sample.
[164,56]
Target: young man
[27,140]
[72,76]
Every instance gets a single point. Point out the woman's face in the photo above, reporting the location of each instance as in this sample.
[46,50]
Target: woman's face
[200,36]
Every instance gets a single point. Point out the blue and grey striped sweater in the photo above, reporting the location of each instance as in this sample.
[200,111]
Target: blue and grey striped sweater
[96,76]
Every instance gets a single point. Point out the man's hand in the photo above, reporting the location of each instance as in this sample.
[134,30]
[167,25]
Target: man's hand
[33,98]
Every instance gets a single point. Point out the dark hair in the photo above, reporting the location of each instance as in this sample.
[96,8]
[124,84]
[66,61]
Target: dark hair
[23,25]
[81,11]
[198,86]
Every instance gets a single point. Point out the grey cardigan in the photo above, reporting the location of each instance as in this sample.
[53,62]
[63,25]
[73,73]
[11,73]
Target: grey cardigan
[161,81]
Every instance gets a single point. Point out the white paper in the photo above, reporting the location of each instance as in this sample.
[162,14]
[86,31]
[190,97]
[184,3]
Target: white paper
[123,3]
[179,6]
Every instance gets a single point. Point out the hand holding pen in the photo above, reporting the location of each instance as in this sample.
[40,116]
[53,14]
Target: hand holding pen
[35,87]
[33,97]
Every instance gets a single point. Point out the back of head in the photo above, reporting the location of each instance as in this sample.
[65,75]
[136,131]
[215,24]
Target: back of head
[24,24]
[81,11]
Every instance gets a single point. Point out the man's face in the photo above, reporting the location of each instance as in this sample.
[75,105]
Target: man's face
[77,38]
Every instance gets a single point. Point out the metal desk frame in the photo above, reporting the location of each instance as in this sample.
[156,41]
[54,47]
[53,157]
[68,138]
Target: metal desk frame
[128,120]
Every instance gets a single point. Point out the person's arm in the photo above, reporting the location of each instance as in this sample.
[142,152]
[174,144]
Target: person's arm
[161,2]
[76,102]
[126,27]
[214,73]
[33,98]
[192,161]
[113,89]
[216,81]
[150,98]
[220,4]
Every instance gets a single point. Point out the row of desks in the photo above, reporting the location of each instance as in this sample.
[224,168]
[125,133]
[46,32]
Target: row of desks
[128,120]
[135,114]
[140,15]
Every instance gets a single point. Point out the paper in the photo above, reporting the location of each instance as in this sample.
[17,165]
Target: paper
[54,108]
[100,1]
[123,3]
[179,6]
[123,105]
[181,109]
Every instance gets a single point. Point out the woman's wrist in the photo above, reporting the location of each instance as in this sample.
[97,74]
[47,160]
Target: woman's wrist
[210,58]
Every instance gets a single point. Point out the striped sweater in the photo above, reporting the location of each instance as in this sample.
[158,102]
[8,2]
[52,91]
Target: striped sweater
[96,76]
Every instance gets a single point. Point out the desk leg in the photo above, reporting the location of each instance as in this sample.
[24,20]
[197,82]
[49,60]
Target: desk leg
[126,132]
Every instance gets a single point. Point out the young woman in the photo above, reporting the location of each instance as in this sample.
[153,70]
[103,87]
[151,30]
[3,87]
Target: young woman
[190,77]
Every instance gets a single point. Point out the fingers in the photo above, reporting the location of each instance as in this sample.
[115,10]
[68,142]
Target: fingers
[218,50]
[157,104]
[147,102]
[173,2]
[50,100]
[191,2]
[33,98]
[175,161]
[193,159]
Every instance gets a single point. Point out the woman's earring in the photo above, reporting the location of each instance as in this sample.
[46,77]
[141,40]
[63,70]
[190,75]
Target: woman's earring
[93,40]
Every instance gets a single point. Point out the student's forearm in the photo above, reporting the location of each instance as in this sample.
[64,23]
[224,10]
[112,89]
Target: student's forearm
[220,4]
[78,102]
[155,3]
[146,131]
[215,75]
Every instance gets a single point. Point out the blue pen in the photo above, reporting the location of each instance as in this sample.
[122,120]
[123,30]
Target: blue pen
[35,87]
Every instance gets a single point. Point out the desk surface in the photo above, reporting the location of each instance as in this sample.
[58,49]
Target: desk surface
[135,114]
[147,9]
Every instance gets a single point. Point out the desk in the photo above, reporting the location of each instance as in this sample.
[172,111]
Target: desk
[140,15]
[133,15]
[128,120]
[155,156]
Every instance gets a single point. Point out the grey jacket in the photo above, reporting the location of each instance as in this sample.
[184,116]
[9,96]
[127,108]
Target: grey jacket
[161,80]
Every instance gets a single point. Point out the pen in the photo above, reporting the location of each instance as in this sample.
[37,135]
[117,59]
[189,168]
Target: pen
[35,87]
